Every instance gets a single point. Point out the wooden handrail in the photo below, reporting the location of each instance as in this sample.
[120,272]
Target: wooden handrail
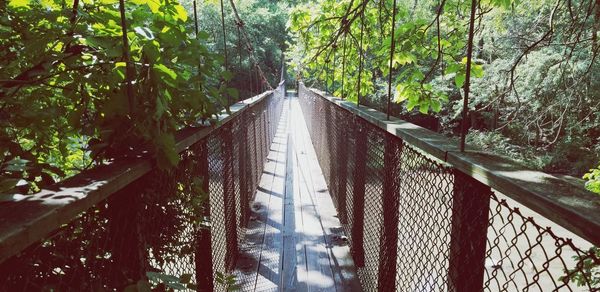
[31,218]
[561,199]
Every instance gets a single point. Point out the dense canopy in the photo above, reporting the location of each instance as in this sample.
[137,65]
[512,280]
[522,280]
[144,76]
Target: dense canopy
[75,93]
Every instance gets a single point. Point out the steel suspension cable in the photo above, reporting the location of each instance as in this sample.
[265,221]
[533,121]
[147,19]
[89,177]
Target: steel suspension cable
[467,85]
[327,75]
[343,64]
[334,66]
[224,34]
[360,57]
[392,49]
[249,47]
[239,46]
[195,19]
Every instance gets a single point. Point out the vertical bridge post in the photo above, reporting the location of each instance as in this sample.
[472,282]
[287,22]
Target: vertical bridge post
[342,162]
[470,211]
[358,197]
[229,198]
[245,181]
[203,254]
[388,244]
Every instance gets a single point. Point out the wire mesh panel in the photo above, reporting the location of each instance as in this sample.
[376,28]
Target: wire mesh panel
[177,229]
[415,223]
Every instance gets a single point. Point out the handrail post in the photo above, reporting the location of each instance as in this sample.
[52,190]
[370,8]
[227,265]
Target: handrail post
[203,254]
[244,170]
[388,244]
[229,199]
[358,195]
[124,238]
[470,211]
[342,166]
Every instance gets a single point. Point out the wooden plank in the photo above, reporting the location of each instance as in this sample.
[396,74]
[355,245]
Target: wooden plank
[557,198]
[258,267]
[319,213]
[318,266]
[288,271]
[307,259]
[270,257]
[301,267]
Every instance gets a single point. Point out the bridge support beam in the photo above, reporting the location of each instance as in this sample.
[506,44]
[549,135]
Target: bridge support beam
[203,253]
[342,167]
[229,198]
[470,211]
[358,196]
[245,179]
[388,244]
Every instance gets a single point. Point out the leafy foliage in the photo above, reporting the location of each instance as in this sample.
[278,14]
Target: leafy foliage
[593,180]
[228,281]
[534,79]
[264,22]
[63,91]
[423,48]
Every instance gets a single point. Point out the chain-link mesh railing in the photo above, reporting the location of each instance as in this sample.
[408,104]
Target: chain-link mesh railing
[176,229]
[417,224]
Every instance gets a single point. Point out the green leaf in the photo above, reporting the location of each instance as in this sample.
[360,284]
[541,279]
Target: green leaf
[203,35]
[436,106]
[424,107]
[477,70]
[165,71]
[19,3]
[453,68]
[154,5]
[16,164]
[411,104]
[160,108]
[161,277]
[404,58]
[181,13]
[227,75]
[459,80]
[401,93]
[167,155]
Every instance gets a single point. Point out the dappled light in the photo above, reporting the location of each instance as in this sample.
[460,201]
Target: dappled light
[299,145]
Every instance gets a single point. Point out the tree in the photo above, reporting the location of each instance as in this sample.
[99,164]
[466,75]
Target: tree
[73,94]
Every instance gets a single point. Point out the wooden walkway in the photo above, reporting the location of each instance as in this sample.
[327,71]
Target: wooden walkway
[294,240]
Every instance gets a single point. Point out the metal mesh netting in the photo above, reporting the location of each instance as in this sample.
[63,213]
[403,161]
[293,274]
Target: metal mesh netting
[179,228]
[415,224]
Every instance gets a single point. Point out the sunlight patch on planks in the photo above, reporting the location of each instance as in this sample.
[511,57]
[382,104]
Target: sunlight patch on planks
[289,244]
